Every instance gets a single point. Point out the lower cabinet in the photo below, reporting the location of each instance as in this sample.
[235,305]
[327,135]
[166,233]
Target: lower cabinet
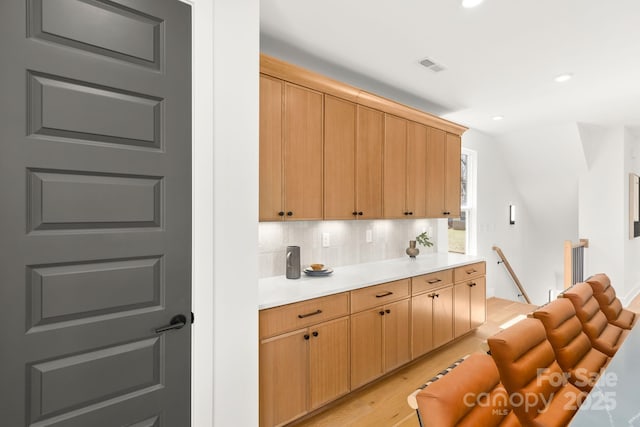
[379,341]
[317,350]
[432,320]
[302,370]
[469,300]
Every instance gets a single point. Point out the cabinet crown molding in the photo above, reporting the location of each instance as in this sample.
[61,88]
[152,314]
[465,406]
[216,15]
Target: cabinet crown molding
[292,73]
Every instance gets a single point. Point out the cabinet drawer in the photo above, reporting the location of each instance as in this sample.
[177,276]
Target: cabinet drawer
[274,321]
[426,282]
[373,296]
[469,271]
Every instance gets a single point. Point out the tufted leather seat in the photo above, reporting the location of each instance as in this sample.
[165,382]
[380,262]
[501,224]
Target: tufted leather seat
[571,346]
[609,302]
[532,377]
[469,395]
[604,336]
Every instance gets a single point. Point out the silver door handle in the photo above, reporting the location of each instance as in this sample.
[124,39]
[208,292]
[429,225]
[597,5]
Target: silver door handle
[176,322]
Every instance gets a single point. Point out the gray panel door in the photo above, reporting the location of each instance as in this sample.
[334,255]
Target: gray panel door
[95,212]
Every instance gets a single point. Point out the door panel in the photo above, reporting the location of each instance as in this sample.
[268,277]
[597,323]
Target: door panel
[303,118]
[396,335]
[443,316]
[328,361]
[271,202]
[478,302]
[366,347]
[422,324]
[452,176]
[435,173]
[369,142]
[417,169]
[95,188]
[339,158]
[395,167]
[461,309]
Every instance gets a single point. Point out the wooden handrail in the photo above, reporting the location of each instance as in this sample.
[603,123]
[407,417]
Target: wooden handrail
[569,246]
[512,273]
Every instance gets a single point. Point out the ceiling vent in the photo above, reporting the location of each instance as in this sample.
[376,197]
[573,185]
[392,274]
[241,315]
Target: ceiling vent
[432,65]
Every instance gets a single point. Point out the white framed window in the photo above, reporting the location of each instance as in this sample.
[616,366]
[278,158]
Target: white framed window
[462,231]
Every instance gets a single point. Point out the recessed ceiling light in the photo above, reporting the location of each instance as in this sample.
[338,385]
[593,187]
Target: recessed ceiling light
[468,4]
[497,118]
[563,77]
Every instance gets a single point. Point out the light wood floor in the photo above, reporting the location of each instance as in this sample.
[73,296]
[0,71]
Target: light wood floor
[385,402]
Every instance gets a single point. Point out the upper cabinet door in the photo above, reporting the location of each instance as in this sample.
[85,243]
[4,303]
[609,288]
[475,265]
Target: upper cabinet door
[369,142]
[303,121]
[452,176]
[435,173]
[394,167]
[271,203]
[339,158]
[416,203]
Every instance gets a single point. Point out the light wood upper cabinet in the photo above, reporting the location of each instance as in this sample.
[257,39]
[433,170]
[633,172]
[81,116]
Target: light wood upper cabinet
[405,164]
[452,176]
[291,122]
[303,109]
[369,141]
[416,202]
[353,138]
[339,158]
[394,167]
[443,174]
[271,184]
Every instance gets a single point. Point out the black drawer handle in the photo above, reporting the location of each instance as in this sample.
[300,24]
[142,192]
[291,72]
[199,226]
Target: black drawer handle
[385,294]
[431,282]
[302,316]
[472,271]
[471,285]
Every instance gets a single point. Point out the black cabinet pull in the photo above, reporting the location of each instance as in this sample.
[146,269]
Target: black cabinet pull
[360,213]
[354,213]
[384,294]
[437,295]
[381,313]
[410,213]
[446,213]
[387,311]
[315,333]
[471,285]
[431,282]
[306,336]
[289,213]
[302,316]
[280,213]
[406,213]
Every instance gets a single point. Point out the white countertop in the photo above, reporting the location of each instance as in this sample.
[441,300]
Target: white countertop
[278,290]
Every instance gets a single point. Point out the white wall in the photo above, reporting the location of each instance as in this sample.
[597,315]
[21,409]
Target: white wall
[495,192]
[348,243]
[225,276]
[632,246]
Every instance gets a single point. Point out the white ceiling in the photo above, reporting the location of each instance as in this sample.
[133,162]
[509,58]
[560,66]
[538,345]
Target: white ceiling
[501,57]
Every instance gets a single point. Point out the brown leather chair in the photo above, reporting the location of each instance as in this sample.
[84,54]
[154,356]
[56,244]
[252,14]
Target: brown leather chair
[609,302]
[468,395]
[604,336]
[574,353]
[528,369]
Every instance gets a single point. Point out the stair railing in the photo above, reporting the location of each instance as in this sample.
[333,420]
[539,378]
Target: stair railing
[503,260]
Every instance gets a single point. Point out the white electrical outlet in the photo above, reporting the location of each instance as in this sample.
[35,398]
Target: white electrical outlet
[326,242]
[369,236]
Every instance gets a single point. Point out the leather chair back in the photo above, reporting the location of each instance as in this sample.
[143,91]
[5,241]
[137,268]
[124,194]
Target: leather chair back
[571,346]
[609,303]
[469,395]
[603,336]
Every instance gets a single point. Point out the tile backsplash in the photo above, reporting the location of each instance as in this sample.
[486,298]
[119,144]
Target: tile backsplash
[347,241]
